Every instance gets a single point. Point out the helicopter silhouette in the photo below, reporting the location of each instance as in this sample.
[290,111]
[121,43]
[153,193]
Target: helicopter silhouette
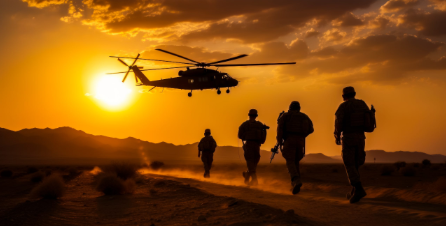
[197,78]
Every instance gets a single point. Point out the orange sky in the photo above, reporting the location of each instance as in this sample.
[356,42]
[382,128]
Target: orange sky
[54,52]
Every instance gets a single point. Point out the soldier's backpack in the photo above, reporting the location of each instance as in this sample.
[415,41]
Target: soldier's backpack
[363,119]
[207,144]
[256,131]
[370,121]
[297,123]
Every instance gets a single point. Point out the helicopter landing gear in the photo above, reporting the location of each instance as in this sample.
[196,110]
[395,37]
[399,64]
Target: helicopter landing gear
[189,94]
[218,92]
[227,91]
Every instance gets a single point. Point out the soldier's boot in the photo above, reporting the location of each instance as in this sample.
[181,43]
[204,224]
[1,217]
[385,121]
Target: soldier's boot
[295,185]
[254,181]
[358,194]
[207,174]
[350,194]
[246,176]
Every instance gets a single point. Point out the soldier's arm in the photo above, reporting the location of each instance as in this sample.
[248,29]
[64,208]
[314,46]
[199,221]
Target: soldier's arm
[241,132]
[279,136]
[339,120]
[200,147]
[310,124]
[214,143]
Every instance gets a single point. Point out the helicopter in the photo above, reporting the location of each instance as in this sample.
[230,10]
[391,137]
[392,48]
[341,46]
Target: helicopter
[196,76]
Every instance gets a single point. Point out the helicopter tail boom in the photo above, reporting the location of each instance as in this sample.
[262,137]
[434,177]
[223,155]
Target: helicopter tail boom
[140,75]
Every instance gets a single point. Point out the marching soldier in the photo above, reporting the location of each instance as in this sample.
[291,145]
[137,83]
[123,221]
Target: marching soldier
[351,123]
[207,147]
[292,129]
[253,134]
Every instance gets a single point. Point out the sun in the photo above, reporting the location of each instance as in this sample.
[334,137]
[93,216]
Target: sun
[111,92]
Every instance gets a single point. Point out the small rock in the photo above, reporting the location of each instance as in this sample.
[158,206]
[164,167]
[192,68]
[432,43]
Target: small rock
[201,218]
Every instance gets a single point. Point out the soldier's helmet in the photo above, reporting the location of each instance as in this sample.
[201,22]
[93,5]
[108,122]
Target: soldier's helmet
[348,90]
[295,105]
[207,131]
[253,112]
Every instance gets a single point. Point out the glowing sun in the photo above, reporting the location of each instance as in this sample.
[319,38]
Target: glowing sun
[111,92]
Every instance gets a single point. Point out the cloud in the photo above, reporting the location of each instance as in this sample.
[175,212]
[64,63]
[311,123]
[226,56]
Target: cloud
[379,23]
[427,23]
[44,3]
[250,21]
[348,20]
[438,4]
[334,35]
[311,33]
[397,5]
[377,58]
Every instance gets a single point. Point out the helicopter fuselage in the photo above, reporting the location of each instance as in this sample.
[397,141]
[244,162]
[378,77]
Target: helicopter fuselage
[195,79]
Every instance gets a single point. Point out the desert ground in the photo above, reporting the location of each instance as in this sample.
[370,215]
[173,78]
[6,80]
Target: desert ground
[179,195]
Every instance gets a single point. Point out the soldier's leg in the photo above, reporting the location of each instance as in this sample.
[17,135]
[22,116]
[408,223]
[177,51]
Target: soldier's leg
[204,159]
[350,161]
[289,153]
[252,156]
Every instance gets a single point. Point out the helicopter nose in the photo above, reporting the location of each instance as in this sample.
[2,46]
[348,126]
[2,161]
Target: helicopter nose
[235,82]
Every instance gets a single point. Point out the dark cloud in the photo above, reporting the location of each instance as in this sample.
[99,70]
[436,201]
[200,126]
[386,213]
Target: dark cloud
[311,33]
[379,58]
[427,23]
[379,23]
[325,52]
[348,20]
[397,5]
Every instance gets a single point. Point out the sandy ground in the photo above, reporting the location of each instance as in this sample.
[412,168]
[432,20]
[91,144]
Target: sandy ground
[179,195]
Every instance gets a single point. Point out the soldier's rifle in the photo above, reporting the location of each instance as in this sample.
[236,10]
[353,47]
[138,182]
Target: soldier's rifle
[275,149]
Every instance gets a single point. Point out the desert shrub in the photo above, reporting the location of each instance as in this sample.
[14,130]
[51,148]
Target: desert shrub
[37,177]
[6,173]
[440,184]
[32,170]
[387,170]
[110,184]
[122,170]
[50,188]
[408,171]
[399,164]
[156,165]
[426,163]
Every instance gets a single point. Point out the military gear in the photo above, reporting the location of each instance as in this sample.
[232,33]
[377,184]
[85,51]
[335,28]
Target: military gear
[253,112]
[252,131]
[351,117]
[295,106]
[294,122]
[348,90]
[207,131]
[358,193]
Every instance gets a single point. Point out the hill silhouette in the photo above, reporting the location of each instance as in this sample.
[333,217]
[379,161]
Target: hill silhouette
[66,145]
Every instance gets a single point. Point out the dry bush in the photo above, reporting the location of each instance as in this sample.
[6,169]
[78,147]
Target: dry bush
[51,188]
[387,170]
[122,170]
[408,171]
[400,165]
[110,184]
[32,170]
[426,163]
[37,177]
[156,165]
[6,173]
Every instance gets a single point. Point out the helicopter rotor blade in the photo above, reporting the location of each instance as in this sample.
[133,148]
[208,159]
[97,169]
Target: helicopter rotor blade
[136,59]
[136,78]
[167,61]
[123,62]
[229,59]
[237,65]
[163,68]
[177,55]
[126,75]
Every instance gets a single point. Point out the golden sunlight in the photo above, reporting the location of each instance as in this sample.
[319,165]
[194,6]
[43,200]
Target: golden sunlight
[111,92]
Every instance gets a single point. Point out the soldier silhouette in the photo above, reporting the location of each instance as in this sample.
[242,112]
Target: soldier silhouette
[292,129]
[207,148]
[253,135]
[353,118]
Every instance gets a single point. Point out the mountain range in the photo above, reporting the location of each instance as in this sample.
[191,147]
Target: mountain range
[66,145]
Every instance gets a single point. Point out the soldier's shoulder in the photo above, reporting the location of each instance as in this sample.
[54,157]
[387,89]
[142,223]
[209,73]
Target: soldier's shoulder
[305,115]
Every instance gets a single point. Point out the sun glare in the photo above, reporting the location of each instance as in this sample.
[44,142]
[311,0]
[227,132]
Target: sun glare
[111,92]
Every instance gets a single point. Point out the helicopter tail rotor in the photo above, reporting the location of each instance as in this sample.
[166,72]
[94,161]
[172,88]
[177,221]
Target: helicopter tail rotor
[130,68]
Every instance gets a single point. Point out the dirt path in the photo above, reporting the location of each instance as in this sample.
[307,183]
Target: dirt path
[330,209]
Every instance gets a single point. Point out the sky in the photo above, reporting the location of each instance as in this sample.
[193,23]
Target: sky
[55,56]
